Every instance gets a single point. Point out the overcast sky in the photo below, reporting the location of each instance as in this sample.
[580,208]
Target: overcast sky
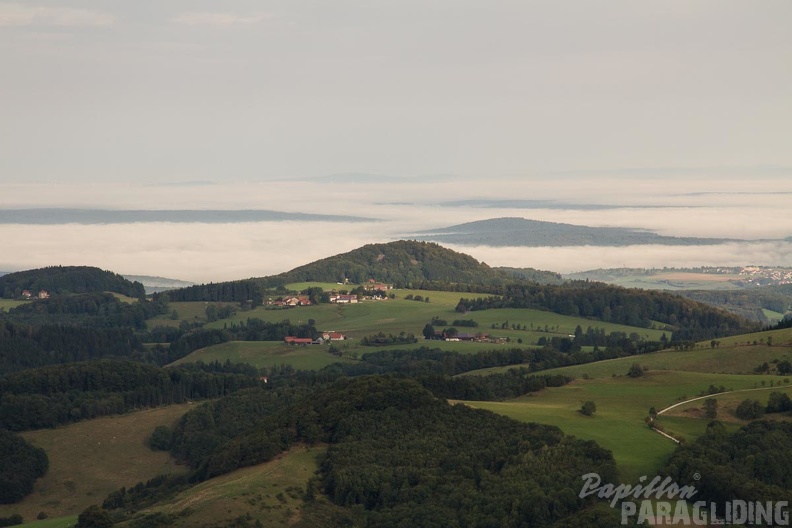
[677,112]
[186,90]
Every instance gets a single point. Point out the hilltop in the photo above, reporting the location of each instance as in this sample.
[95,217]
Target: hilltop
[67,280]
[404,263]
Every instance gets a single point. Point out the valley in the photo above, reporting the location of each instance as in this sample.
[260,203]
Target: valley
[250,417]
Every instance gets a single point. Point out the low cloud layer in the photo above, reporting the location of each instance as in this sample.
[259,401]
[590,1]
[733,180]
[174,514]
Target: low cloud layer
[194,252]
[20,15]
[572,259]
[212,252]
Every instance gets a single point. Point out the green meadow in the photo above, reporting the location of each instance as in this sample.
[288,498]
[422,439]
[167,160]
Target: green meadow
[60,522]
[7,304]
[728,357]
[622,406]
[391,316]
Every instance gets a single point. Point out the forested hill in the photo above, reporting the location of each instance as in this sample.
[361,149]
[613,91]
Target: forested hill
[404,263]
[67,280]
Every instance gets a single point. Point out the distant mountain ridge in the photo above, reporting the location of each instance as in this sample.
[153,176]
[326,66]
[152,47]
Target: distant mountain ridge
[54,216]
[515,231]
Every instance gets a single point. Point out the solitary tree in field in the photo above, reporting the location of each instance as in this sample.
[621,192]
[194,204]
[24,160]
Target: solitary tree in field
[710,408]
[636,371]
[588,408]
[94,517]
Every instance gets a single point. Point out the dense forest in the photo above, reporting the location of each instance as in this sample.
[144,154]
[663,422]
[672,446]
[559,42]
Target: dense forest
[67,280]
[98,310]
[752,464]
[397,454]
[24,346]
[748,302]
[56,395]
[20,465]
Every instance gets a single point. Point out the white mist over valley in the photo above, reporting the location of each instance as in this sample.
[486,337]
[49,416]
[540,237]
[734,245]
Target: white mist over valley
[390,208]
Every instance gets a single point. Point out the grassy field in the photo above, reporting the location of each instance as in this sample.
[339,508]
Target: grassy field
[7,304]
[622,405]
[271,492]
[60,522]
[90,459]
[674,281]
[391,316]
[732,356]
[123,298]
[191,312]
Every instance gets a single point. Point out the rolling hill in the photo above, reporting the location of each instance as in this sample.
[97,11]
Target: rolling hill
[67,280]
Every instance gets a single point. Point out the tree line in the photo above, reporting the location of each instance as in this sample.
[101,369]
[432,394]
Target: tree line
[689,320]
[20,465]
[57,395]
[752,464]
[99,310]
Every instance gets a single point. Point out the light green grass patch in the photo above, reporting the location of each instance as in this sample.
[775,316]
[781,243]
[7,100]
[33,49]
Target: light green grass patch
[720,360]
[8,304]
[123,298]
[779,337]
[772,316]
[622,405]
[60,522]
[191,312]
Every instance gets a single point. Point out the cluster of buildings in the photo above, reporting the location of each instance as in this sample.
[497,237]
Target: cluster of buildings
[479,337]
[292,300]
[765,276]
[376,290]
[42,294]
[326,337]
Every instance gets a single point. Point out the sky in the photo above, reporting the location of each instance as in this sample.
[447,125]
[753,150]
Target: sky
[683,107]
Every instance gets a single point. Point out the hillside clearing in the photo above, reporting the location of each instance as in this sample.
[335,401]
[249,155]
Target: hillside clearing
[90,459]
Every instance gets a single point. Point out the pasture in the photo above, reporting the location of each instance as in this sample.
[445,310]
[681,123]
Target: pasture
[519,327]
[622,406]
[90,459]
[734,355]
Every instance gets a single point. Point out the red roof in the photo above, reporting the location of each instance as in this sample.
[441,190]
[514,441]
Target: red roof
[298,340]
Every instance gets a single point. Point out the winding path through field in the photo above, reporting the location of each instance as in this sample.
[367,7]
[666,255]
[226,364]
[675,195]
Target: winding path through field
[696,399]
